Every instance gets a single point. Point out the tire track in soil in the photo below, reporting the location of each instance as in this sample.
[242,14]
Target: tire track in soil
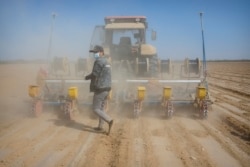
[22,146]
[225,109]
[234,127]
[14,131]
[143,146]
[162,147]
[127,145]
[51,149]
[208,143]
[239,129]
[44,144]
[26,130]
[26,122]
[65,143]
[104,150]
[185,146]
[79,154]
[226,143]
[120,143]
[238,101]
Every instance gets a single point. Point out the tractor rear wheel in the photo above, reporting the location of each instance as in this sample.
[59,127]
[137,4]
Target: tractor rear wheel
[203,110]
[153,66]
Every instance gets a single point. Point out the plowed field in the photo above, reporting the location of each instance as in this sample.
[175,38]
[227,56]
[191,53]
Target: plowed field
[222,140]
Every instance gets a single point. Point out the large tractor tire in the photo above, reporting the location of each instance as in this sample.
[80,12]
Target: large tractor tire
[153,67]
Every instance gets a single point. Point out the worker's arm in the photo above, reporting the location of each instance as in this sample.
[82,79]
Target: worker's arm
[88,77]
[96,70]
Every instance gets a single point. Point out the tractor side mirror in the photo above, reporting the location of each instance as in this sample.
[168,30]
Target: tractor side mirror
[153,35]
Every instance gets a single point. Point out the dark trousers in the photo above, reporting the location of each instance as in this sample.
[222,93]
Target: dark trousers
[99,101]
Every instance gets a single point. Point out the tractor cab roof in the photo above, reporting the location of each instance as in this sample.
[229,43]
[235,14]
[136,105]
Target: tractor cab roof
[124,21]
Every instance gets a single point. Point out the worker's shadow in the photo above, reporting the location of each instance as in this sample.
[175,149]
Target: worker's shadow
[75,125]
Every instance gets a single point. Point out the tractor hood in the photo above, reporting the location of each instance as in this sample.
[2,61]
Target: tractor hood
[125,26]
[148,50]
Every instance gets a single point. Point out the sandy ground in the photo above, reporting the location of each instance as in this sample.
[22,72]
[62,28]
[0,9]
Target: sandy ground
[222,140]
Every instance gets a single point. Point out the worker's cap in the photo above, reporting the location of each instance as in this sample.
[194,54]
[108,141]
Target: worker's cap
[96,49]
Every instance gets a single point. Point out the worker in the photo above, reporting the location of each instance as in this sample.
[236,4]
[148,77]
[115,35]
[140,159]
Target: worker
[101,85]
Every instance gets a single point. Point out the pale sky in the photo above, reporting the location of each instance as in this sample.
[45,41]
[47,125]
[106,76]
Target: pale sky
[25,26]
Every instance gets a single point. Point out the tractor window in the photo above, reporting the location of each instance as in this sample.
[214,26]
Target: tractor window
[98,37]
[118,34]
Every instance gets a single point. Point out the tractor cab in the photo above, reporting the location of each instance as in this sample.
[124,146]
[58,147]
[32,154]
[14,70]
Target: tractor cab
[124,41]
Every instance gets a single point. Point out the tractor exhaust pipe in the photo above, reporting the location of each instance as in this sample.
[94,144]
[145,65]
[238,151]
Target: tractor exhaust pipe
[203,48]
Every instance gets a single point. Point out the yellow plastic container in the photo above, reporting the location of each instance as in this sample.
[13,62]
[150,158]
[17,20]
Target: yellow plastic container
[34,90]
[73,92]
[201,92]
[141,92]
[167,92]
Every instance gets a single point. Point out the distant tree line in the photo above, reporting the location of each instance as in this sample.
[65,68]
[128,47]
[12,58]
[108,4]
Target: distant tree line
[22,61]
[238,60]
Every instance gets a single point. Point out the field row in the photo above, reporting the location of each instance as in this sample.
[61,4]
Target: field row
[243,89]
[229,67]
[241,78]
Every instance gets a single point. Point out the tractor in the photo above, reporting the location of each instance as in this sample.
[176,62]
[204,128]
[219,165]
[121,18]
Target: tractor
[139,76]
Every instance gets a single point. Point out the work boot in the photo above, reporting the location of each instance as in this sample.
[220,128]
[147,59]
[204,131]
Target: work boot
[110,126]
[98,129]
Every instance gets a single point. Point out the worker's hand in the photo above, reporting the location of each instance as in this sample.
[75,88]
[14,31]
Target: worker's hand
[88,77]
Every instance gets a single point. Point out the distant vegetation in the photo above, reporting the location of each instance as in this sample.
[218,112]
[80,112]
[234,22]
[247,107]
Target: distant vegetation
[228,60]
[23,61]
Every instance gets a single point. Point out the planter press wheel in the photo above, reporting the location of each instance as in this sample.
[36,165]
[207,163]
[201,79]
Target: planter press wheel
[169,110]
[37,107]
[68,110]
[203,110]
[137,109]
